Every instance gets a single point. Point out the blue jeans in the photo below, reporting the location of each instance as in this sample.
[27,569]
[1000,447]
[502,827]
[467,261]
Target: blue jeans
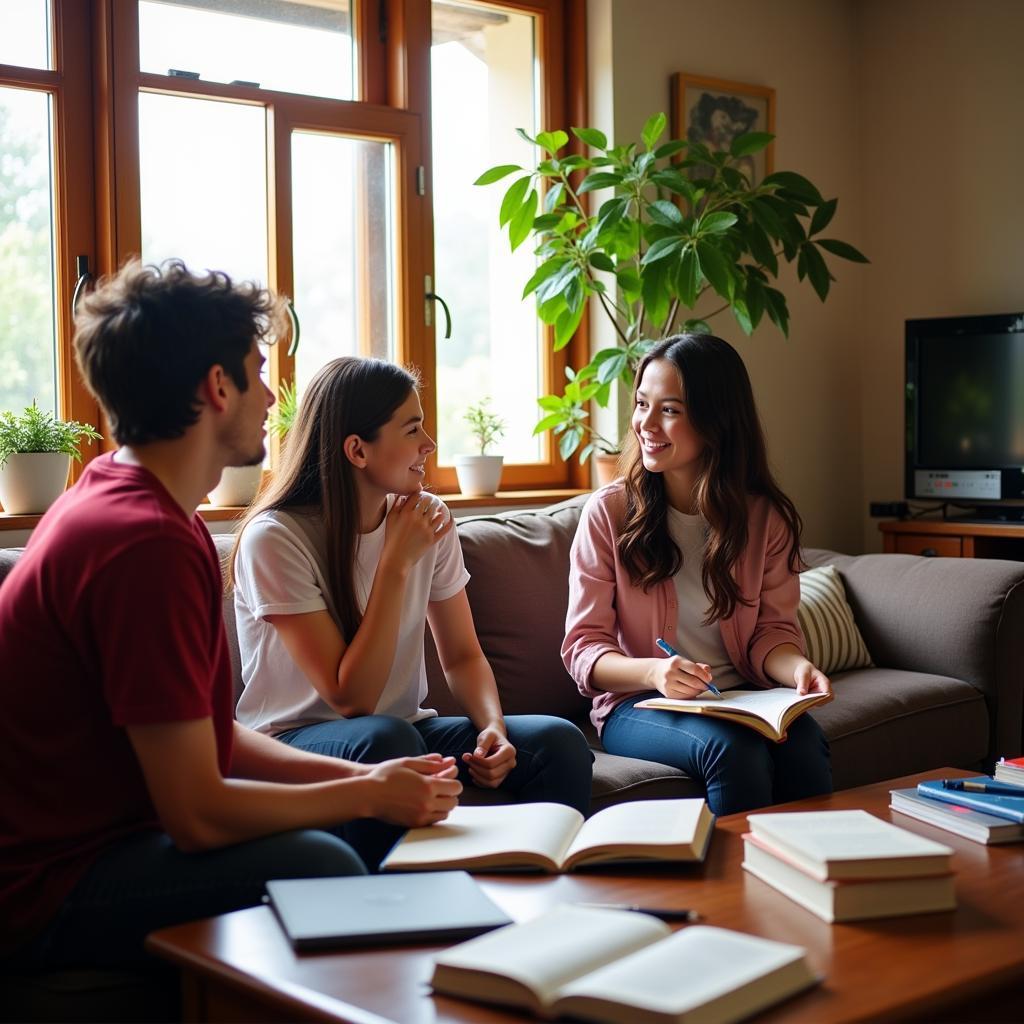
[145,882]
[739,769]
[553,761]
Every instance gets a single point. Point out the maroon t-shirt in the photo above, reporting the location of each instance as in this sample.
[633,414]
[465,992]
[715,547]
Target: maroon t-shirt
[111,617]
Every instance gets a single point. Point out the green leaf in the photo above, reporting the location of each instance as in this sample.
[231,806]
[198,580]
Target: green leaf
[547,222]
[513,200]
[565,326]
[592,137]
[552,403]
[716,268]
[662,249]
[553,196]
[822,215]
[496,174]
[689,277]
[655,292]
[521,223]
[761,249]
[674,181]
[599,179]
[522,134]
[715,223]
[665,213]
[739,310]
[602,262]
[552,141]
[749,143]
[670,148]
[543,272]
[629,282]
[588,450]
[778,312]
[558,284]
[548,422]
[653,130]
[696,327]
[842,249]
[612,367]
[817,271]
[755,301]
[569,442]
[767,219]
[797,185]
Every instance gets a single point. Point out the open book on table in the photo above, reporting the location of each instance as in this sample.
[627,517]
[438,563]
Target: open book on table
[615,967]
[770,712]
[553,837]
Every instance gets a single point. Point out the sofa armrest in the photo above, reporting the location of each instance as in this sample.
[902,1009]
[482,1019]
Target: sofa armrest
[958,617]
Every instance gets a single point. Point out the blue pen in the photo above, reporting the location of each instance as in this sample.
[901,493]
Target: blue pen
[994,788]
[673,653]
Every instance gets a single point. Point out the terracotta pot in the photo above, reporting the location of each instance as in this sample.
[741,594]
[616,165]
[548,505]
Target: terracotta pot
[30,482]
[479,475]
[606,468]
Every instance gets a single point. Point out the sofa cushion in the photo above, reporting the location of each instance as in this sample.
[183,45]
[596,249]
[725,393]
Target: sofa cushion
[887,722]
[519,592]
[826,620]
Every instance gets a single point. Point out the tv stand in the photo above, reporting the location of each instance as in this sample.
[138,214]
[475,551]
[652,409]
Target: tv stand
[992,514]
[955,538]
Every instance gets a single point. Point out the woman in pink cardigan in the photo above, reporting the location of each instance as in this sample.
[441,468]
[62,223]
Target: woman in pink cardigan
[696,545]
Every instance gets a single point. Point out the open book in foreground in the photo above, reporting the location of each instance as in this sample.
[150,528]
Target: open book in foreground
[614,967]
[770,712]
[553,837]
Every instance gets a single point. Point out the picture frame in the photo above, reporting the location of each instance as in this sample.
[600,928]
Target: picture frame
[714,111]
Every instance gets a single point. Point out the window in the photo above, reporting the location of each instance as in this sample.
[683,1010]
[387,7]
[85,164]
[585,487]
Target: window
[295,143]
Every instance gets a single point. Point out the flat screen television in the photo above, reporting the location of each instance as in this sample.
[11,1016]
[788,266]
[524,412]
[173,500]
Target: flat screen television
[965,410]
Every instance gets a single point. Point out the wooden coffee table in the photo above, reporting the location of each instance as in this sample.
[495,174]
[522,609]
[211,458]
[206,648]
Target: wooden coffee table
[962,965]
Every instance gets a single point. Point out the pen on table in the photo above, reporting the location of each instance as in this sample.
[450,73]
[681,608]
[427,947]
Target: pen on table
[664,913]
[673,653]
[995,788]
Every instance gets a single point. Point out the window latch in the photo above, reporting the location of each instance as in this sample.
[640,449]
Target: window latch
[84,277]
[431,296]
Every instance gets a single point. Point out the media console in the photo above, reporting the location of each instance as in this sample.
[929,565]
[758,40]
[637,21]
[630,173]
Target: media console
[954,538]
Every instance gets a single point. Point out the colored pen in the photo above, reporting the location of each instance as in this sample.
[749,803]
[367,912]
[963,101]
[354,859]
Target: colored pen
[995,788]
[664,913]
[673,653]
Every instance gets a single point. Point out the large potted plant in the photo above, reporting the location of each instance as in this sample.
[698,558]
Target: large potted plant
[36,450]
[683,228]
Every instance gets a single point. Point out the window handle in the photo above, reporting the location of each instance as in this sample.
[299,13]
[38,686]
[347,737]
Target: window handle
[432,296]
[293,319]
[84,277]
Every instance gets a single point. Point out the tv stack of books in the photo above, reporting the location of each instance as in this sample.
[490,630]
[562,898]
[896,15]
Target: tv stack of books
[985,809]
[848,865]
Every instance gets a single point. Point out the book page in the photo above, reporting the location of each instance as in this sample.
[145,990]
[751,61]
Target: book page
[640,827]
[546,953]
[470,834]
[769,705]
[690,969]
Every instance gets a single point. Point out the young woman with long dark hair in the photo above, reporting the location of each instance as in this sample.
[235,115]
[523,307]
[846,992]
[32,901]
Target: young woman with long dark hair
[337,569]
[696,544]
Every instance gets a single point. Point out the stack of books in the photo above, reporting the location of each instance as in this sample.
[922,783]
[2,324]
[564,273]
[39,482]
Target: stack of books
[848,865]
[984,809]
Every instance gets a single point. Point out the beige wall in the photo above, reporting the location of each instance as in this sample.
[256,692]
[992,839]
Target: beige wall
[808,387]
[943,115]
[912,112]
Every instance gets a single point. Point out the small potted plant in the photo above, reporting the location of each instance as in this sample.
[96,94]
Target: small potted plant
[36,450]
[480,474]
[238,485]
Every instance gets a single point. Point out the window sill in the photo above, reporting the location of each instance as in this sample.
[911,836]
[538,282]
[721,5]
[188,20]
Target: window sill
[221,513]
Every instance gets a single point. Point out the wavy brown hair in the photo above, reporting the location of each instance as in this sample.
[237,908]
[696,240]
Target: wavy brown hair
[720,406]
[348,396]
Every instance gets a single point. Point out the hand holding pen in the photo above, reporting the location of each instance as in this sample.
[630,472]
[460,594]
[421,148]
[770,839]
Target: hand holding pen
[680,678]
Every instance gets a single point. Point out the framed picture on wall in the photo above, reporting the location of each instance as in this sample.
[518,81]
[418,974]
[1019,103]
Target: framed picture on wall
[714,111]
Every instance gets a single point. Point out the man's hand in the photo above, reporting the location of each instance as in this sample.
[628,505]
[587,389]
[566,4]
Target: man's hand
[493,758]
[413,791]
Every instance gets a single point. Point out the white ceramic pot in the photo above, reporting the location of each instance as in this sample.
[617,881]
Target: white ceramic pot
[30,482]
[479,475]
[238,485]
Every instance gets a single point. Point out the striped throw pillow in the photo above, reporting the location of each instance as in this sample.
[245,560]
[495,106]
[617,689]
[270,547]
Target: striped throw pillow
[833,641]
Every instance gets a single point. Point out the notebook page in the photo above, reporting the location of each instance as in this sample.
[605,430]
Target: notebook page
[639,823]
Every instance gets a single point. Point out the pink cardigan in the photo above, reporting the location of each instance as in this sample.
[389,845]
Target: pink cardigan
[607,613]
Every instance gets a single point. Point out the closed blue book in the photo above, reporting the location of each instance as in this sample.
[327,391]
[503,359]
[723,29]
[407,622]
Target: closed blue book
[1009,807]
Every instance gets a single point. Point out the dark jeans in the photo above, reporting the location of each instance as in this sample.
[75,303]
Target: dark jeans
[553,761]
[146,882]
[739,769]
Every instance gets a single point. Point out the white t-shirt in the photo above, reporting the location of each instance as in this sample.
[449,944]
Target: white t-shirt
[697,641]
[280,570]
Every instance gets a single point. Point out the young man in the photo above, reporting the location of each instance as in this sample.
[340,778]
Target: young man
[132,797]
